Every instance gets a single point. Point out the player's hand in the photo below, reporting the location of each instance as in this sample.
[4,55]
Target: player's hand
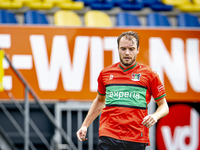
[149,120]
[81,133]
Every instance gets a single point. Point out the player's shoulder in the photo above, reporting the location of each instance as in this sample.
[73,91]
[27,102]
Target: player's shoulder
[111,67]
[146,68]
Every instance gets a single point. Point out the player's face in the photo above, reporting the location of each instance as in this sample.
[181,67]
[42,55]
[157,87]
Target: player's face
[128,51]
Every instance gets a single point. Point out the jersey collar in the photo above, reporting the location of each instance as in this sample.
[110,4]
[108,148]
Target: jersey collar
[128,68]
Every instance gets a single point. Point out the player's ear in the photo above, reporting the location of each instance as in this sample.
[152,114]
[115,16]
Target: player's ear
[138,49]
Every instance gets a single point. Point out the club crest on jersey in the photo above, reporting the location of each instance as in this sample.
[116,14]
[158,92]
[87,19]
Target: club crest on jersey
[135,77]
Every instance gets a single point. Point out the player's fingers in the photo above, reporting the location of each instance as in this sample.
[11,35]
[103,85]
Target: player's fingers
[79,139]
[145,120]
[81,134]
[150,122]
[78,135]
[84,139]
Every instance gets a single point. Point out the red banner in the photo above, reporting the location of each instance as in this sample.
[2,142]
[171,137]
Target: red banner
[177,132]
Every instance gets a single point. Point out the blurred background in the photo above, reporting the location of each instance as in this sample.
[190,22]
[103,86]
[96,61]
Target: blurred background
[52,51]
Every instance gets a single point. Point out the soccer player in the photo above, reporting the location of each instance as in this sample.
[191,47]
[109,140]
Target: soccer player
[124,91]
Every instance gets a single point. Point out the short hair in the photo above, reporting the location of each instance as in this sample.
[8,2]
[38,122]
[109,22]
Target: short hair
[127,35]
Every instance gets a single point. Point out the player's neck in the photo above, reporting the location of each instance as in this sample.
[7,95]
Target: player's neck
[127,66]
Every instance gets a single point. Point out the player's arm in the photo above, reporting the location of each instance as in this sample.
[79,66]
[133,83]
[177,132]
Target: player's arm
[161,111]
[96,108]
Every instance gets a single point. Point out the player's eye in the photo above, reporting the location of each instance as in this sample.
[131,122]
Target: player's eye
[131,49]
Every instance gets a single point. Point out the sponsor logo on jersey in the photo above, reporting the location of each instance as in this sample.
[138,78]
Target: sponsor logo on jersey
[119,95]
[111,77]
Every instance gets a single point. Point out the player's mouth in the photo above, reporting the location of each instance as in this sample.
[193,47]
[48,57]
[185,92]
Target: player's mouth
[127,58]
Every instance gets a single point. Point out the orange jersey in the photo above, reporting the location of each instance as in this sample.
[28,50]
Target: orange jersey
[128,92]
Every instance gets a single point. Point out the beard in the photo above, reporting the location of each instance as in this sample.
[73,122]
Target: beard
[129,63]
